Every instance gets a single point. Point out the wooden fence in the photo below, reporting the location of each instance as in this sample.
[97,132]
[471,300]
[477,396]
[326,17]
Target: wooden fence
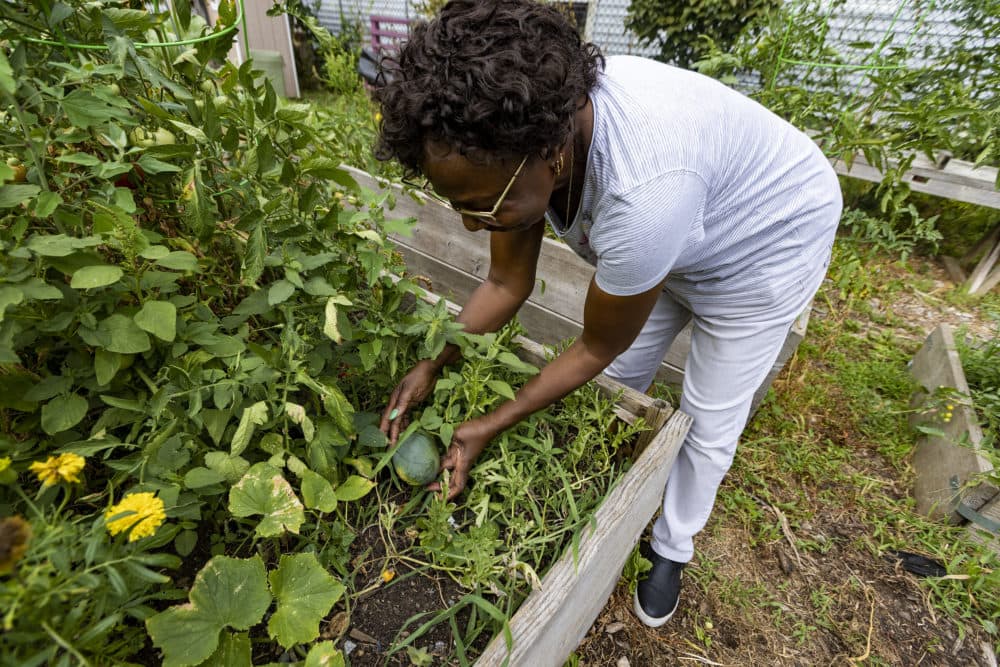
[960,181]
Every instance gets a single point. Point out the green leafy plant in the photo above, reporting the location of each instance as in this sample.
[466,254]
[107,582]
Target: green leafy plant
[678,28]
[635,567]
[889,99]
[233,593]
[339,53]
[200,318]
[183,297]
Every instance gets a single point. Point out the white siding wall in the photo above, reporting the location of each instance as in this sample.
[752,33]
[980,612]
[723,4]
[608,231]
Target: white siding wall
[331,11]
[607,29]
[850,21]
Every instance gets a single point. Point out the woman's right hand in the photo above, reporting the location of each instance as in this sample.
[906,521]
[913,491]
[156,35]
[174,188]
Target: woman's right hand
[411,390]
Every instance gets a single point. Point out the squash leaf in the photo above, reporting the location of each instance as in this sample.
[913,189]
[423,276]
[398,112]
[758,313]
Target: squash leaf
[305,593]
[263,490]
[227,592]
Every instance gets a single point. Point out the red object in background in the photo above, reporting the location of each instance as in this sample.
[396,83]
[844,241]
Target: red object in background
[131,179]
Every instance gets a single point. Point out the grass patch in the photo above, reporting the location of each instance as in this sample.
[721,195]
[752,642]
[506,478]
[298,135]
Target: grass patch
[828,453]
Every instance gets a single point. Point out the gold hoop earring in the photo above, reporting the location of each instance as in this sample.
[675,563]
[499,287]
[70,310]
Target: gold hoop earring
[558,166]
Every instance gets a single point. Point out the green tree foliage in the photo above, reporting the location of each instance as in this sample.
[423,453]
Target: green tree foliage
[677,28]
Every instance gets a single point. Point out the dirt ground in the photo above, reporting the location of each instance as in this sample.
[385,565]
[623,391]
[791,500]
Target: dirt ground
[752,602]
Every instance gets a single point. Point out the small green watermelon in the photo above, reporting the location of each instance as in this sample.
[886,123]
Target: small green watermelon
[417,460]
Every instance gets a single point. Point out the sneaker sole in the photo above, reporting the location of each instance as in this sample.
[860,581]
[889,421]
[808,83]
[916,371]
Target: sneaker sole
[648,620]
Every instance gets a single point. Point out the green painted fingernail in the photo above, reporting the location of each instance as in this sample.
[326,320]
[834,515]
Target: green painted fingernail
[393,414]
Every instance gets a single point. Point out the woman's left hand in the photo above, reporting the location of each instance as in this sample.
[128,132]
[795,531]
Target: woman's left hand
[467,443]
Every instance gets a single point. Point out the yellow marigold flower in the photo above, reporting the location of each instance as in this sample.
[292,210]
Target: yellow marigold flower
[15,533]
[55,469]
[7,474]
[146,515]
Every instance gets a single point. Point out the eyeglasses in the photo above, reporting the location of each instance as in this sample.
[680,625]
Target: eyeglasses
[486,217]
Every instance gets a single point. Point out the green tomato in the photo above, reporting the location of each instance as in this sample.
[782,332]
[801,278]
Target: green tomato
[164,137]
[20,171]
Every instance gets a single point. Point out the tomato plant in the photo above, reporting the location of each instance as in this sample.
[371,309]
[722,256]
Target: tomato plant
[200,316]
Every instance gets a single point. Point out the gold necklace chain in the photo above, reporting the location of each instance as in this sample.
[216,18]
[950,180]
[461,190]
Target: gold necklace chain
[569,187]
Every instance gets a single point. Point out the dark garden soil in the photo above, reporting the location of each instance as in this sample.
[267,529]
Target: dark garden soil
[383,616]
[386,613]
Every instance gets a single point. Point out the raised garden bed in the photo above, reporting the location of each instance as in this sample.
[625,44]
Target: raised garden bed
[948,458]
[562,606]
[554,618]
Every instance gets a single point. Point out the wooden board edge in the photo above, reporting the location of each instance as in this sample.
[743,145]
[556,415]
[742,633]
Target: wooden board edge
[938,459]
[954,269]
[654,411]
[553,619]
[977,534]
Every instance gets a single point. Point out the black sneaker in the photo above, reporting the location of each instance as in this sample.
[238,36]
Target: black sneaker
[657,596]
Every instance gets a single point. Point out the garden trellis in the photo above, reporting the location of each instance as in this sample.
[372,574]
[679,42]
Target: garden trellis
[905,94]
[232,17]
[863,62]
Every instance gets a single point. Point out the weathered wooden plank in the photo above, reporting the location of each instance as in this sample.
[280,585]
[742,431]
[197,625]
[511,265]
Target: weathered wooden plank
[980,274]
[986,274]
[541,323]
[938,460]
[988,240]
[982,193]
[535,353]
[956,181]
[954,269]
[991,511]
[955,171]
[553,619]
[654,412]
[636,403]
[859,169]
[991,281]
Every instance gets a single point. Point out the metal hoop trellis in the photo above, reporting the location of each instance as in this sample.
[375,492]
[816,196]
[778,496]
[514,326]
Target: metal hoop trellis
[239,21]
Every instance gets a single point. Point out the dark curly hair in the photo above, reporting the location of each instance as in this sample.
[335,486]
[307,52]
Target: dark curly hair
[492,80]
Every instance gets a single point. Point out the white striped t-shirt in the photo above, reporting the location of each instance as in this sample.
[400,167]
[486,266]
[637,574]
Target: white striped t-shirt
[688,177]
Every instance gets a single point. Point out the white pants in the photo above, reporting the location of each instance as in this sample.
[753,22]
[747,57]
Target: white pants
[730,357]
